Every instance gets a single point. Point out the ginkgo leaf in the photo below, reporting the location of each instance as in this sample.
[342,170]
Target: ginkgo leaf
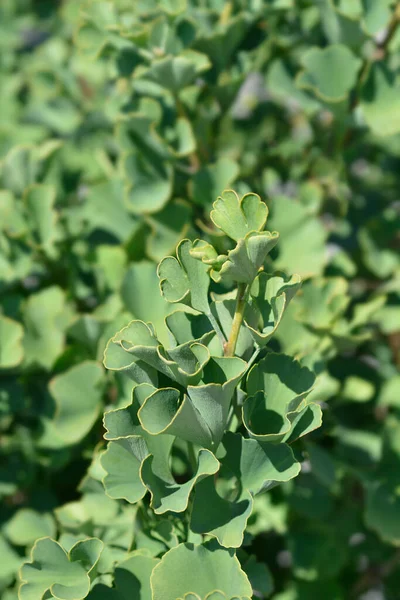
[238,217]
[65,576]
[208,568]
[11,349]
[246,259]
[184,279]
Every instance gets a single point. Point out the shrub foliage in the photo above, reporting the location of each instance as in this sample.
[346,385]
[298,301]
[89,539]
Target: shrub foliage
[247,377]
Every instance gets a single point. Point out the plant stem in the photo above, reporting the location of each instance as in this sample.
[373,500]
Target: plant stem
[382,50]
[391,29]
[242,293]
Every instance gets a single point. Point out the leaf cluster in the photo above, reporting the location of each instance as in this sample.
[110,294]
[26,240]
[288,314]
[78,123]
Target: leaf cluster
[120,125]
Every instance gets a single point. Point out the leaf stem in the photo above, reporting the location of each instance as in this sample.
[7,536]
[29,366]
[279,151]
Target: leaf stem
[193,158]
[217,328]
[242,294]
[253,358]
[192,456]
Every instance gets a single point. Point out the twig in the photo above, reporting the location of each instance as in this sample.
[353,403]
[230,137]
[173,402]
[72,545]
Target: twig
[382,46]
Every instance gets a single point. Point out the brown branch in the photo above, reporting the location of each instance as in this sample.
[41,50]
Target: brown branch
[381,51]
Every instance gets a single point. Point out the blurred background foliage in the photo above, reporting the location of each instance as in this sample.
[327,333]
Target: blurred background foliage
[120,123]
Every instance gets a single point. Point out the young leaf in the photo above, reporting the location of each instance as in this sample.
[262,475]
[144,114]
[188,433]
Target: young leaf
[184,279]
[244,261]
[238,217]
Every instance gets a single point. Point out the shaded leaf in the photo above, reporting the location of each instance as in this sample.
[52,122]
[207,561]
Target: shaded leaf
[77,394]
[170,496]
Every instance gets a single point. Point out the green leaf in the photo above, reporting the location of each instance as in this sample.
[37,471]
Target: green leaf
[323,301]
[318,554]
[20,168]
[244,261]
[122,461]
[10,560]
[258,465]
[27,525]
[132,576]
[322,465]
[377,242]
[137,344]
[380,101]
[110,266]
[282,87]
[382,510]
[390,392]
[181,139]
[184,279]
[124,422]
[164,413]
[302,238]
[275,410]
[40,201]
[105,209]
[12,217]
[224,519]
[224,312]
[207,568]
[131,579]
[376,15]
[78,397]
[238,217]
[168,227]
[128,448]
[212,397]
[119,354]
[330,72]
[169,495]
[11,349]
[185,326]
[176,72]
[93,509]
[223,41]
[201,416]
[342,23]
[259,576]
[65,576]
[138,130]
[44,315]
[356,389]
[96,29]
[271,295]
[148,183]
[281,377]
[148,305]
[206,184]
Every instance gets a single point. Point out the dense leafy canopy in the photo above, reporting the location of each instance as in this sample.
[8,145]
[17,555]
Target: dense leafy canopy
[199,240]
